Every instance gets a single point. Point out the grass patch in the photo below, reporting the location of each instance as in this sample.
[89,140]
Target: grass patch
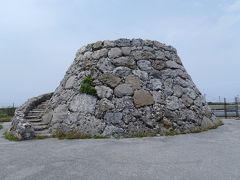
[9,136]
[75,135]
[6,119]
[141,135]
[70,135]
[6,114]
[99,137]
[171,133]
[1,126]
[87,86]
[39,137]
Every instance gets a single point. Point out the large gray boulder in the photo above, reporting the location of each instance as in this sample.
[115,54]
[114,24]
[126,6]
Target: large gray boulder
[141,88]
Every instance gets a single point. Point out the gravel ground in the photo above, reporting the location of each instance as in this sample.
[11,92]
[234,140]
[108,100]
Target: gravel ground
[211,155]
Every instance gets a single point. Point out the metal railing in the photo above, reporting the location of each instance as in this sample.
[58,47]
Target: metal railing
[225,109]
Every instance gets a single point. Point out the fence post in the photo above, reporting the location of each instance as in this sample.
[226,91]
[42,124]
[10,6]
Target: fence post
[225,107]
[236,101]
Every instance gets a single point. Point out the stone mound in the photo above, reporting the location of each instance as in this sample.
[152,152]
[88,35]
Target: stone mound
[138,88]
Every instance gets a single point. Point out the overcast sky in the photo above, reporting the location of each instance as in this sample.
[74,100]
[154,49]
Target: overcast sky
[39,39]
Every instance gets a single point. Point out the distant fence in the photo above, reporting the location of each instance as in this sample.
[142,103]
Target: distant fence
[225,109]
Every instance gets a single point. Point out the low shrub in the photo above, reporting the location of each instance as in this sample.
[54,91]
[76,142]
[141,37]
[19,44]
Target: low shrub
[87,86]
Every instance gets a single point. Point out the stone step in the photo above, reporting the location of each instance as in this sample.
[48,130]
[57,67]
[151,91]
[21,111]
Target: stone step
[32,117]
[40,123]
[44,103]
[43,133]
[41,106]
[40,128]
[35,114]
[34,120]
[37,111]
[46,131]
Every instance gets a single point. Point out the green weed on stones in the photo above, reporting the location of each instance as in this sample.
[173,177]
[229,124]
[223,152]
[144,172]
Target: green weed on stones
[87,86]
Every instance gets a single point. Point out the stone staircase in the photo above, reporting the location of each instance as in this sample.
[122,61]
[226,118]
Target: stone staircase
[34,116]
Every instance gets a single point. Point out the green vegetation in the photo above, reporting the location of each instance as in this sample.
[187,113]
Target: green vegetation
[6,114]
[41,137]
[141,135]
[171,133]
[1,126]
[99,137]
[70,135]
[6,119]
[73,134]
[9,136]
[87,86]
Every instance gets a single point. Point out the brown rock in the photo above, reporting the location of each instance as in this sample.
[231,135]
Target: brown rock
[167,123]
[134,81]
[142,98]
[159,65]
[110,79]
